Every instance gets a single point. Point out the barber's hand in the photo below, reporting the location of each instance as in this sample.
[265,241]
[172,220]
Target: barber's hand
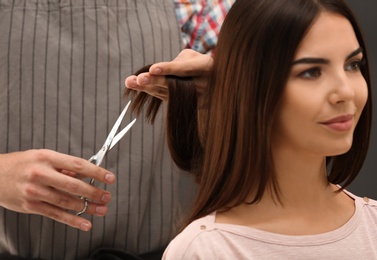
[43,182]
[188,63]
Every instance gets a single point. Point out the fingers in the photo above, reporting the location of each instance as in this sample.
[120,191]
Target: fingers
[72,174]
[68,202]
[145,79]
[44,182]
[188,63]
[61,215]
[76,187]
[56,205]
[64,200]
[46,175]
[153,85]
[72,164]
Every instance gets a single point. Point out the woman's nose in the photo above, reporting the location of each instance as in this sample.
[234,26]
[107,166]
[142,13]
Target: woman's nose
[343,88]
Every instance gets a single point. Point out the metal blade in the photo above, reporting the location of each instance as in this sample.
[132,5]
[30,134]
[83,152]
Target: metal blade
[121,134]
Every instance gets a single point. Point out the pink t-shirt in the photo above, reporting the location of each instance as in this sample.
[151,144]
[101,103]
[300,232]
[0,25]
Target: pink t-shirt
[205,239]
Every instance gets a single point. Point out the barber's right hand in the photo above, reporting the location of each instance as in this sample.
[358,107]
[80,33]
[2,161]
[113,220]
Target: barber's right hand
[43,182]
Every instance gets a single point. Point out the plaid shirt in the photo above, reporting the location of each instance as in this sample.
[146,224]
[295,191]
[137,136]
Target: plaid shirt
[200,22]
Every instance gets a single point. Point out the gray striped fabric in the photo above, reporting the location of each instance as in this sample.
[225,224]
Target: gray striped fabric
[62,68]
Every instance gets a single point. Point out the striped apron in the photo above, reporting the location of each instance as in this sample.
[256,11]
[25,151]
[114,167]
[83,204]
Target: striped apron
[62,70]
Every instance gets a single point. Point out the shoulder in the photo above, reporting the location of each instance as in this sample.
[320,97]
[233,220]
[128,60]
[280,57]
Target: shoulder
[368,206]
[193,241]
[370,202]
[365,201]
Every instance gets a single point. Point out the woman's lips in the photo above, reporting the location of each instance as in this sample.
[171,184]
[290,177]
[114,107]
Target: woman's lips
[340,123]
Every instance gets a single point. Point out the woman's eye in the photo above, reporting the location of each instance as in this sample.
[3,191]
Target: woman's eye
[311,73]
[354,65]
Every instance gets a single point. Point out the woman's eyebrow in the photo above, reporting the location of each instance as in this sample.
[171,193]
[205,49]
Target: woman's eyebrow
[354,53]
[309,60]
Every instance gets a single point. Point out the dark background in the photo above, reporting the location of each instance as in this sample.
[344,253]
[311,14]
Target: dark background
[366,12]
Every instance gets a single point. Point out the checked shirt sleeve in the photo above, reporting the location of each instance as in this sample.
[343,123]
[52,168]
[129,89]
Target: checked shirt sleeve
[200,22]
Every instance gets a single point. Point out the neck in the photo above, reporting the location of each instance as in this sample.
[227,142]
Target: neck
[301,181]
[308,203]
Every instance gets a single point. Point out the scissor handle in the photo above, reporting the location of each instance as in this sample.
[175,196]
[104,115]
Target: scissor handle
[93,160]
[111,140]
[86,204]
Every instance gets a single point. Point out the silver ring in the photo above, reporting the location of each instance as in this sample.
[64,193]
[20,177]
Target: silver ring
[85,207]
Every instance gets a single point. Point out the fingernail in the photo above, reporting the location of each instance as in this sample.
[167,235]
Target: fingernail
[131,84]
[101,209]
[85,226]
[109,177]
[134,84]
[145,80]
[157,71]
[106,198]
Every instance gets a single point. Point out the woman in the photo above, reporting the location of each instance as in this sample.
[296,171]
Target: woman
[289,119]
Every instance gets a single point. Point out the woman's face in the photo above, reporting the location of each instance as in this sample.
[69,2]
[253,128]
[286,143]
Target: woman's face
[325,93]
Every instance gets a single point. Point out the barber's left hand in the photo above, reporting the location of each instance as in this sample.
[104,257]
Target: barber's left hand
[188,63]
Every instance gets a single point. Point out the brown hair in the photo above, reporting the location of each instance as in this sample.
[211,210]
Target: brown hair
[257,44]
[181,123]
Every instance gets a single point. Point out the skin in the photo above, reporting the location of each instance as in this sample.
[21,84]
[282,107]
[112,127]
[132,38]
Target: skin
[315,93]
[188,63]
[43,182]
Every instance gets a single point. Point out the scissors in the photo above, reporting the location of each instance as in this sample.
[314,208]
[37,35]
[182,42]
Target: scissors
[111,140]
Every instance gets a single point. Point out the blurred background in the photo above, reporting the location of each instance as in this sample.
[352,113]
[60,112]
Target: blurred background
[365,11]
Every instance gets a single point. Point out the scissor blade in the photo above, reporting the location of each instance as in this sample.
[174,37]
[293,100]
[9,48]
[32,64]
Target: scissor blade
[97,159]
[113,131]
[122,133]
